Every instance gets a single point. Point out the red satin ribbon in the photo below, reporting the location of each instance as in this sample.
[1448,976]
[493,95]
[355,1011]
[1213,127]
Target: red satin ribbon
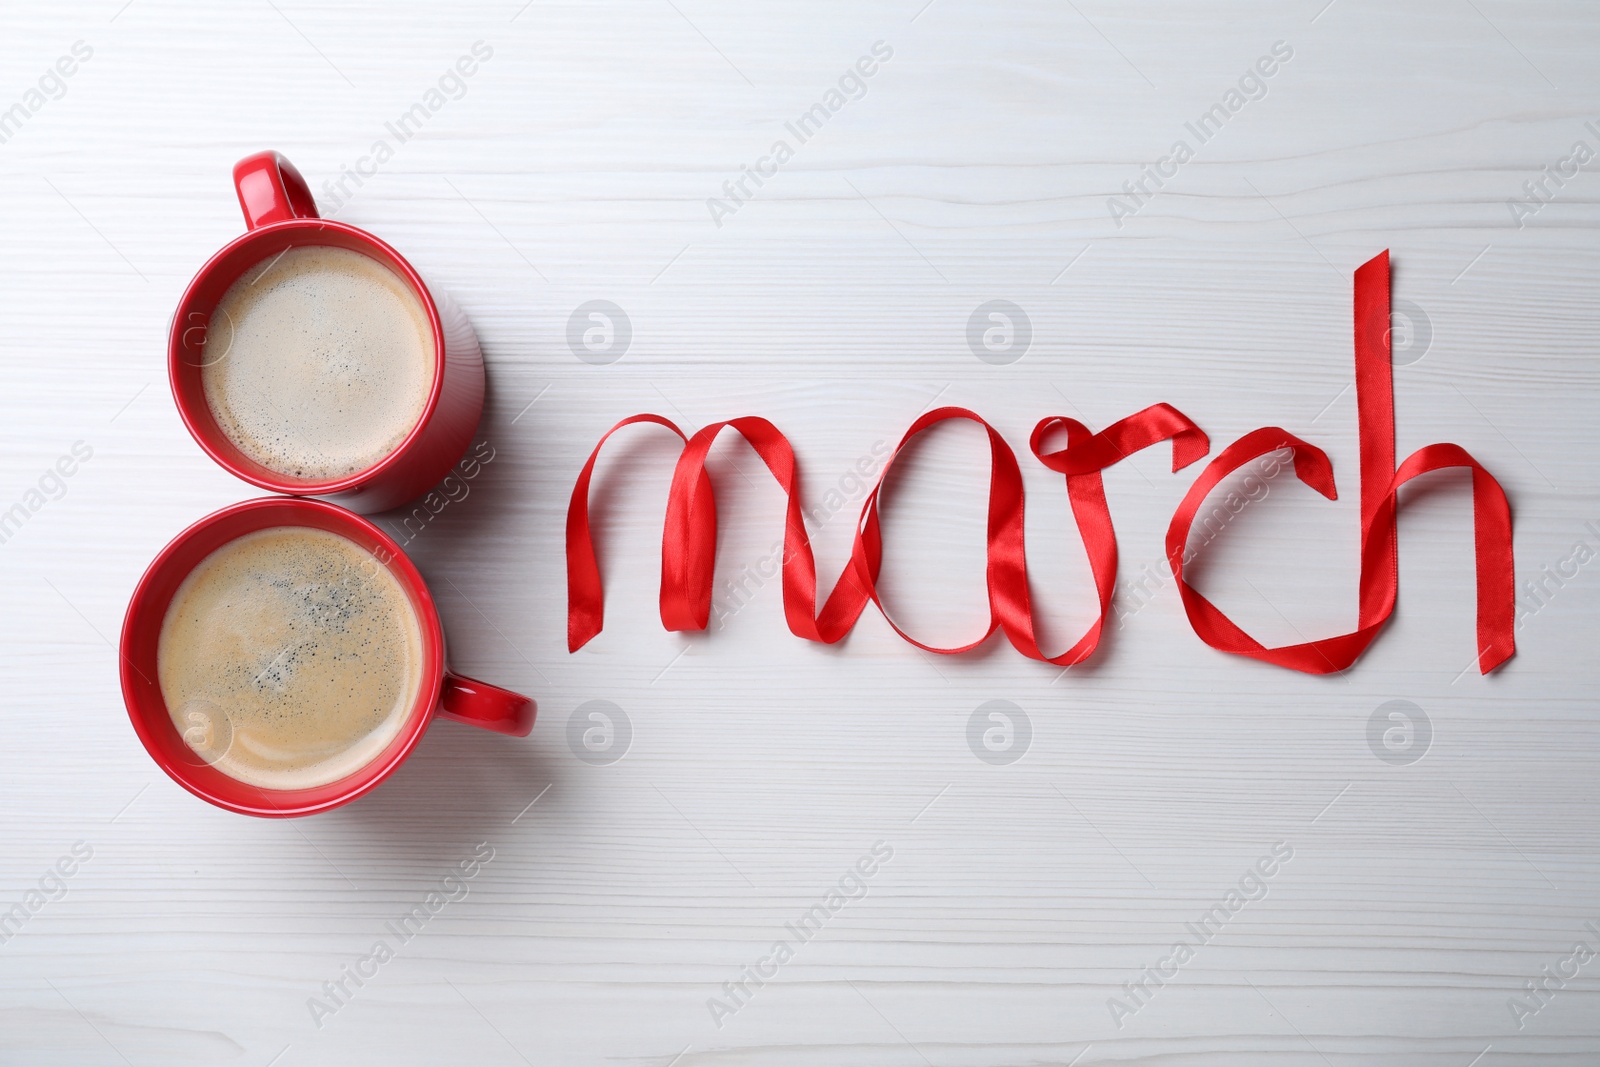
[1380,482]
[688,550]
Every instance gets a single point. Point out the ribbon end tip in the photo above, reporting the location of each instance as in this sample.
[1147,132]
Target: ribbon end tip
[1495,659]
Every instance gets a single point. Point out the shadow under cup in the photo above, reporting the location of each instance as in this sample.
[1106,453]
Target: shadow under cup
[436,441]
[142,631]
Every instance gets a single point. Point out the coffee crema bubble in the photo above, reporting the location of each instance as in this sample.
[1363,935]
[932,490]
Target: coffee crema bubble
[289,658]
[318,361]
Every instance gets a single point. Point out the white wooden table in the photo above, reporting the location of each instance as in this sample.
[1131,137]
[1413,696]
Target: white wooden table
[976,164]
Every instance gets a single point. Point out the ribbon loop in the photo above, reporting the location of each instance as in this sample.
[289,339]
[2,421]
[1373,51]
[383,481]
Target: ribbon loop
[1006,563]
[586,597]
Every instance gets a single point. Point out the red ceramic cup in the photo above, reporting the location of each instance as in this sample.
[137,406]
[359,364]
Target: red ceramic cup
[281,214]
[442,693]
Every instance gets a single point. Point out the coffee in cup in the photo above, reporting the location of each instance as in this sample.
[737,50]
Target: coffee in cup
[318,362]
[289,658]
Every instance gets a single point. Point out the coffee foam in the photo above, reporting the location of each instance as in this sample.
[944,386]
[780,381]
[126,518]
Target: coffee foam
[318,362]
[289,658]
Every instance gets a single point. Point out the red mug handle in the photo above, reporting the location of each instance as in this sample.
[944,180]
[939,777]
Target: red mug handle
[481,704]
[272,190]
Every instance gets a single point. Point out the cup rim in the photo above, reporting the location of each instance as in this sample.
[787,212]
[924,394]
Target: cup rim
[201,428]
[147,608]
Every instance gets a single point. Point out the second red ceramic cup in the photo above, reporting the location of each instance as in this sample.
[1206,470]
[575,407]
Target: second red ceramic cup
[442,693]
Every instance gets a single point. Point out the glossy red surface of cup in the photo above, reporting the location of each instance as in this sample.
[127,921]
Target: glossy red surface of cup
[442,694]
[281,214]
